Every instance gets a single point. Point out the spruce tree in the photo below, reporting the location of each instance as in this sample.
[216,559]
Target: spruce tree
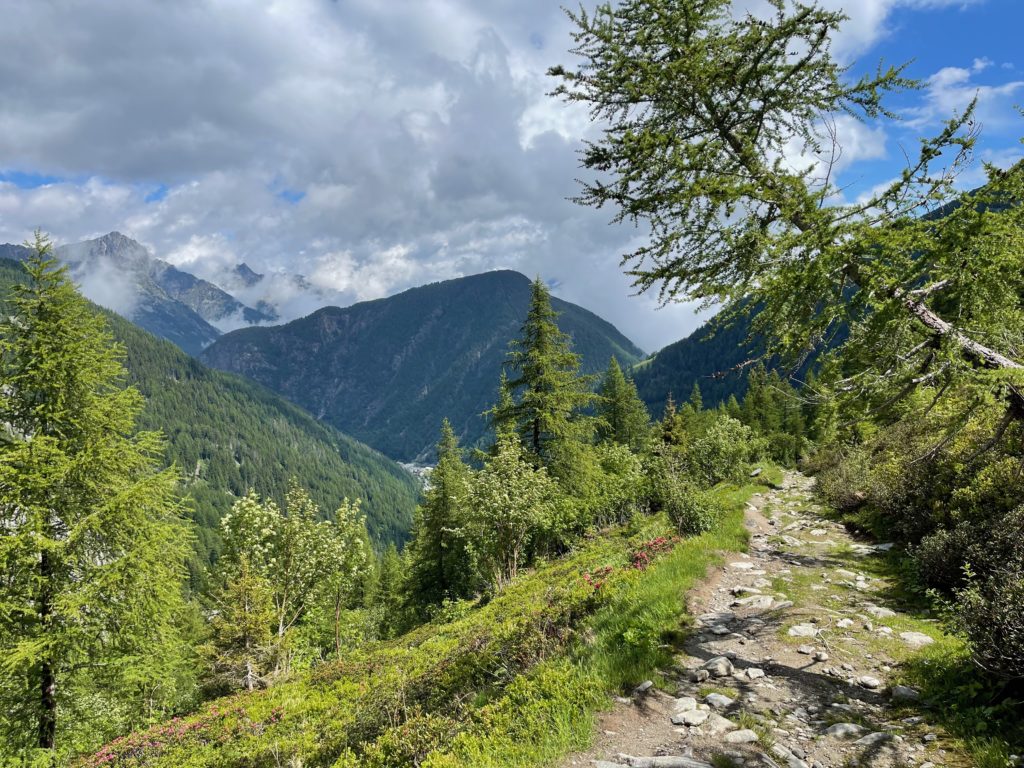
[438,559]
[94,541]
[622,415]
[550,391]
[696,399]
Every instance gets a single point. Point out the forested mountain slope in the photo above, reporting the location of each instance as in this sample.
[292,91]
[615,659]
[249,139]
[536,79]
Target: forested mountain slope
[388,371]
[228,434]
[708,357]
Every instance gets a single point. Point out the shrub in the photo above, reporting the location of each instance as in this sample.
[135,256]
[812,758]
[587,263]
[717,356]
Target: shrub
[991,613]
[691,510]
[722,452]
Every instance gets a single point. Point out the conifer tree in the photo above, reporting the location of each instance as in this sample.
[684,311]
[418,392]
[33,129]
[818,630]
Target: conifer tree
[241,650]
[94,541]
[696,399]
[550,391]
[438,568]
[622,415]
[388,598]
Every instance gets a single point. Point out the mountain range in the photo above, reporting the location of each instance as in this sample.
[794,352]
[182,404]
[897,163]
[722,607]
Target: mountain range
[384,371]
[227,434]
[387,371]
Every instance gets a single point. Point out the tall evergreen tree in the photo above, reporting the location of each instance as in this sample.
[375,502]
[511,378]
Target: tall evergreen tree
[622,415]
[696,399]
[438,568]
[550,391]
[94,541]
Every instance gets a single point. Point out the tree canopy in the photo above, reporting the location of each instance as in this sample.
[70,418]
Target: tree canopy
[720,134]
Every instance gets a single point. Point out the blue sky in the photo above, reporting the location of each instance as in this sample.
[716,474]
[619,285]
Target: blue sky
[375,146]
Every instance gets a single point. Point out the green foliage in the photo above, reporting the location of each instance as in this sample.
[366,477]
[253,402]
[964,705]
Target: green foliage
[386,371]
[548,394]
[91,602]
[622,415]
[303,561]
[240,652]
[510,503]
[722,452]
[439,564]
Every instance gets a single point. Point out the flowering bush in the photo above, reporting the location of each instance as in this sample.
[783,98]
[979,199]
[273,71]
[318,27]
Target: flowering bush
[644,554]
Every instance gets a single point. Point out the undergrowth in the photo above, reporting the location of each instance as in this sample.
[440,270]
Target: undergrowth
[514,682]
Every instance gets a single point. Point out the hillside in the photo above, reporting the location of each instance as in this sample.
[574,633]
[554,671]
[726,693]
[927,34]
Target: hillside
[228,434]
[708,357]
[388,371]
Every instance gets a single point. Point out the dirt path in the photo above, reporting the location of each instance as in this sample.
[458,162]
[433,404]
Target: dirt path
[793,661]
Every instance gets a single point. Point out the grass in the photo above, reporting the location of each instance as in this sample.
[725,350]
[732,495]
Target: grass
[515,682]
[630,638]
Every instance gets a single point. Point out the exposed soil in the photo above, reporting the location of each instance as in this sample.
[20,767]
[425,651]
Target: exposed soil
[791,662]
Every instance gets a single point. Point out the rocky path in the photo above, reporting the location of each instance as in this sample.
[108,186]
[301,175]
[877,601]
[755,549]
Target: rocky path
[794,661]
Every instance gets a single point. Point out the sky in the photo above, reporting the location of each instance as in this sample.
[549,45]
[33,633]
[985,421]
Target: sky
[374,146]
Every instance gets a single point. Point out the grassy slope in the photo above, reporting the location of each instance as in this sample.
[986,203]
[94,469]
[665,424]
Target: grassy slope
[509,683]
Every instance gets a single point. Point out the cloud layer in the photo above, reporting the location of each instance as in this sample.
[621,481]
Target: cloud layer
[370,146]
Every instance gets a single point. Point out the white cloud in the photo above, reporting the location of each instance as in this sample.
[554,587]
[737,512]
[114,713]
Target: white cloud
[370,146]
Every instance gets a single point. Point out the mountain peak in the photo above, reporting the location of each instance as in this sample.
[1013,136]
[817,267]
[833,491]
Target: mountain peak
[247,275]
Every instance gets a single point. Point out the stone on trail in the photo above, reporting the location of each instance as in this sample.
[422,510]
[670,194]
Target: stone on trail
[693,717]
[870,682]
[916,639]
[718,701]
[757,602]
[879,612]
[719,666]
[803,630]
[698,675]
[717,725]
[685,704]
[872,739]
[806,650]
[821,656]
[663,761]
[720,629]
[753,673]
[844,730]
[845,623]
[905,693]
[745,736]
[645,686]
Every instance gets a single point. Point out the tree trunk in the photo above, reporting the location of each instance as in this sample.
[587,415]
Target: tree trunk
[47,680]
[337,625]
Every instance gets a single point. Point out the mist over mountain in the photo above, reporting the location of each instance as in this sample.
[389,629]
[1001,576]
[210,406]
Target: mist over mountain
[388,371]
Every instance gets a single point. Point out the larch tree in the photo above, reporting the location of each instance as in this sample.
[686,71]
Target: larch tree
[241,650]
[701,107]
[92,557]
[438,563]
[622,415]
[550,394]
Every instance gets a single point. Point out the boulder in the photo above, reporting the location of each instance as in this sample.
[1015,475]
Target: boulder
[916,639]
[803,630]
[719,666]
